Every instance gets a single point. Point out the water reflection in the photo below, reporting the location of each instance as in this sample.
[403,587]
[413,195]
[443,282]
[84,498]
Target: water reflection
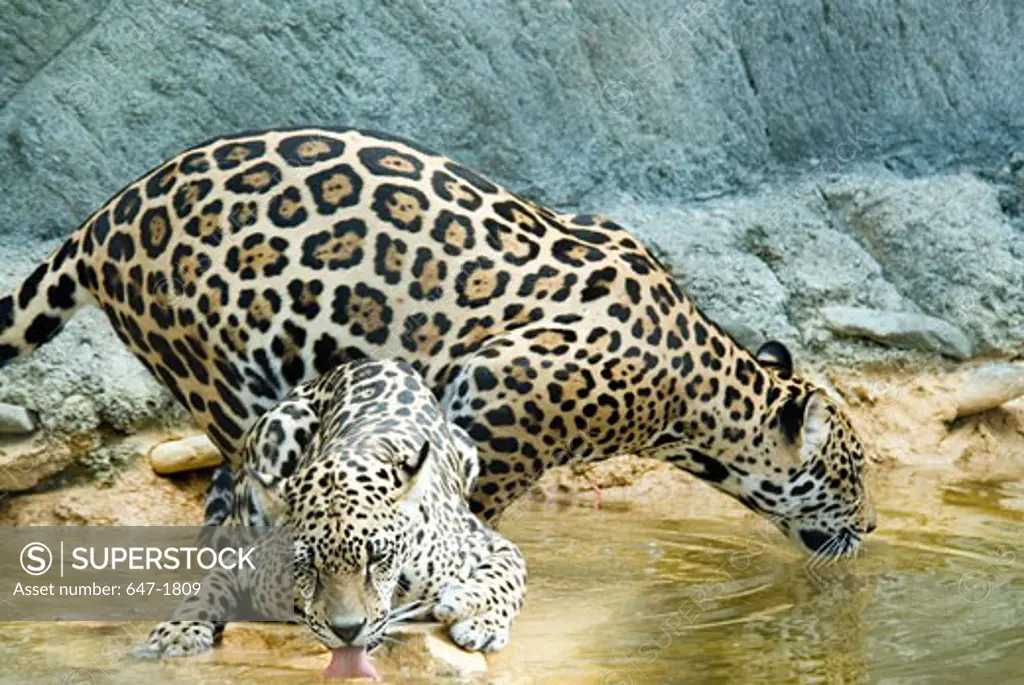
[648,595]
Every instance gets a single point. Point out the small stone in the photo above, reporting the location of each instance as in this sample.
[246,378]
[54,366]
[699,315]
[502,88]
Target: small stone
[989,387]
[26,463]
[16,420]
[187,454]
[899,329]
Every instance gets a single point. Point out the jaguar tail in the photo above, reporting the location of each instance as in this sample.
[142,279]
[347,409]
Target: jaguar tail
[35,312]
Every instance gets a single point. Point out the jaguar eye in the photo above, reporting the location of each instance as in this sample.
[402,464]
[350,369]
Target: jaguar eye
[374,555]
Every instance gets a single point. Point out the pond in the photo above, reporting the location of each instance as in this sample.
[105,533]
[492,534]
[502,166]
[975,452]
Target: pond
[696,591]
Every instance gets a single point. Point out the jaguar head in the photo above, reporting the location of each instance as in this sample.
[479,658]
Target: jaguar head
[788,451]
[354,516]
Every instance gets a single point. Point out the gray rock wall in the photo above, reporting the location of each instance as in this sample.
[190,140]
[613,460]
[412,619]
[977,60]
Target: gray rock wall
[941,246]
[785,156]
[564,100]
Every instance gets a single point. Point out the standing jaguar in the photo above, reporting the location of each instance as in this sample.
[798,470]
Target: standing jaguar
[254,262]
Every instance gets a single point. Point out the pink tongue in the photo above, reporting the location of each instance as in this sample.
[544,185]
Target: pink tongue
[350,662]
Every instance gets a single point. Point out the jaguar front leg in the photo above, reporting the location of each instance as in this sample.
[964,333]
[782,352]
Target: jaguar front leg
[188,638]
[479,611]
[271,449]
[181,638]
[529,407]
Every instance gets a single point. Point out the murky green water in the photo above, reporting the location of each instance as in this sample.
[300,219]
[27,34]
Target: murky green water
[666,593]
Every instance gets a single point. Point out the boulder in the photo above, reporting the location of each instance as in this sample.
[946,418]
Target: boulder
[989,387]
[26,463]
[899,329]
[423,649]
[946,243]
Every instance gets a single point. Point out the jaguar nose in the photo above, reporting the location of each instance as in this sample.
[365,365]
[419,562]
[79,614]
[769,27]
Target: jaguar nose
[348,632]
[870,526]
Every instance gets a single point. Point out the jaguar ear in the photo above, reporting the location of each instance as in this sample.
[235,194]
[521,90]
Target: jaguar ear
[417,474]
[776,357]
[806,421]
[816,425]
[270,490]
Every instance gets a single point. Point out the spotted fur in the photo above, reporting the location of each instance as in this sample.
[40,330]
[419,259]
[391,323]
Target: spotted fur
[252,263]
[372,482]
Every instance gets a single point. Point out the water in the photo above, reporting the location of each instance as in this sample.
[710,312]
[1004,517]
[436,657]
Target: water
[667,592]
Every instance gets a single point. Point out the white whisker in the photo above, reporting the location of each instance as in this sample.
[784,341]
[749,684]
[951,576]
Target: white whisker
[409,612]
[837,552]
[825,553]
[819,554]
[853,544]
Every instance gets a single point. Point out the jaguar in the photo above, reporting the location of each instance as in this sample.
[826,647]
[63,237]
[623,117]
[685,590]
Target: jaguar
[252,263]
[372,484]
